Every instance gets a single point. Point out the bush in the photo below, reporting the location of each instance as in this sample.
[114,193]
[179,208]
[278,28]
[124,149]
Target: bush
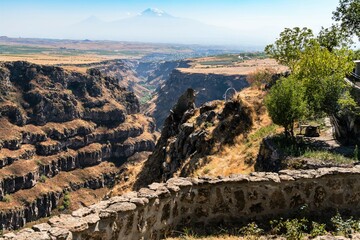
[285,103]
[66,202]
[293,229]
[252,229]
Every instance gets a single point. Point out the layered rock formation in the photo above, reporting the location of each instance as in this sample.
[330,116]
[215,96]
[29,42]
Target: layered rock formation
[208,87]
[205,203]
[122,70]
[61,131]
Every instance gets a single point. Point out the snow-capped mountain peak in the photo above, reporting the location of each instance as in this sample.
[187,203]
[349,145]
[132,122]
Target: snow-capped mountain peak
[154,12]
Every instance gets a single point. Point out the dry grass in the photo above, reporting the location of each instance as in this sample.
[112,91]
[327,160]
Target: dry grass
[68,126]
[241,68]
[130,171]
[16,154]
[240,157]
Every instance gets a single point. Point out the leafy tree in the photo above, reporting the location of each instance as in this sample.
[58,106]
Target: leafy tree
[322,74]
[288,47]
[348,14]
[333,37]
[285,103]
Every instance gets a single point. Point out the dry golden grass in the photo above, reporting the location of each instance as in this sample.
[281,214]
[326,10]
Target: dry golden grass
[240,157]
[130,171]
[241,68]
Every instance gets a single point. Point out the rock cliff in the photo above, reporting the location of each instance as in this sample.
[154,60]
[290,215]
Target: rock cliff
[61,131]
[191,134]
[207,87]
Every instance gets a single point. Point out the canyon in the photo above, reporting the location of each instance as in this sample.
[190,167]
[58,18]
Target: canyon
[62,132]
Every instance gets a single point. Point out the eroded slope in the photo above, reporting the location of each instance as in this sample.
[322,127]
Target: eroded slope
[62,131]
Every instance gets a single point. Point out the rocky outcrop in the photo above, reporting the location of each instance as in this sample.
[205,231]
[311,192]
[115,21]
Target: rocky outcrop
[203,203]
[207,87]
[55,122]
[191,134]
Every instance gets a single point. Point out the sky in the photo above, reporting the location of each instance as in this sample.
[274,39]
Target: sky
[261,20]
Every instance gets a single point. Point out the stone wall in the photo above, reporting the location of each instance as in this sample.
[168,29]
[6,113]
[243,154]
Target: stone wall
[153,212]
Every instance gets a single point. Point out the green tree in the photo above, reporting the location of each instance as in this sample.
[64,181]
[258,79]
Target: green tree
[288,47]
[348,14]
[333,37]
[322,74]
[285,103]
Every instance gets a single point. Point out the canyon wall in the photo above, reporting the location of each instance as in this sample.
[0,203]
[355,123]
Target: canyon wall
[207,87]
[155,211]
[61,131]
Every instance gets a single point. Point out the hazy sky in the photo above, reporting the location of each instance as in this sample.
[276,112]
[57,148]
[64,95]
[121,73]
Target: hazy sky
[262,19]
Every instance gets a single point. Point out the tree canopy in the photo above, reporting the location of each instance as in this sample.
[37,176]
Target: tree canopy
[287,48]
[348,14]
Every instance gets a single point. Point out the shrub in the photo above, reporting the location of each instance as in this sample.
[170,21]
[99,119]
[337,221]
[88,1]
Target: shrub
[42,178]
[252,229]
[293,229]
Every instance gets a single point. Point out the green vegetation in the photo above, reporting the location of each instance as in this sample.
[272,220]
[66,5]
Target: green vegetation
[327,156]
[252,229]
[261,133]
[348,14]
[6,198]
[316,85]
[286,104]
[145,99]
[42,178]
[292,229]
[288,47]
[66,202]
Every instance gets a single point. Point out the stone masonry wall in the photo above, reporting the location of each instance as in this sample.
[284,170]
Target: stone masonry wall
[151,213]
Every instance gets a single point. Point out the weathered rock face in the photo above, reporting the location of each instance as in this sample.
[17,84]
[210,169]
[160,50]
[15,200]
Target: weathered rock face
[190,134]
[156,73]
[208,87]
[155,211]
[62,126]
[347,126]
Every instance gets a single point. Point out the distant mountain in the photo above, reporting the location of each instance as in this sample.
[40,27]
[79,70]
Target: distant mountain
[154,25]
[154,12]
